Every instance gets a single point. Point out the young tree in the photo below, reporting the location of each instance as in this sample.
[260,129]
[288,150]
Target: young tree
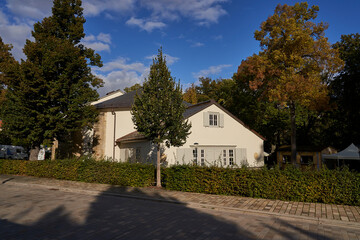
[48,96]
[158,111]
[295,61]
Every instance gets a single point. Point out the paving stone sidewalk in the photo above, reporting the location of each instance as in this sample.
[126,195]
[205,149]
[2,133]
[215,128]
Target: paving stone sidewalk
[316,211]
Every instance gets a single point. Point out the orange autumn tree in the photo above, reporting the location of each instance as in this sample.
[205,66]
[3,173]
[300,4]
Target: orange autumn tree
[295,63]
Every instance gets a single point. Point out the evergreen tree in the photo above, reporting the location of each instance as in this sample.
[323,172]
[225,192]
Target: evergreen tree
[48,97]
[158,111]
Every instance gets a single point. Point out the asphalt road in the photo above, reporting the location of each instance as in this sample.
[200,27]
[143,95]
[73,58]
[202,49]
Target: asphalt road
[47,213]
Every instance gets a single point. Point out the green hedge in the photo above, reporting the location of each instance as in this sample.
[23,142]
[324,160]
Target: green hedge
[291,184]
[84,170]
[325,186]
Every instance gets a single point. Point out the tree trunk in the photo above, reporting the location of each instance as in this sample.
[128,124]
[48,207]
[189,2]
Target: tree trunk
[293,134]
[158,173]
[34,152]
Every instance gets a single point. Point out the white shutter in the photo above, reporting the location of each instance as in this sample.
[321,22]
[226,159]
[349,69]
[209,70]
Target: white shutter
[206,119]
[183,155]
[188,155]
[180,155]
[240,156]
[221,120]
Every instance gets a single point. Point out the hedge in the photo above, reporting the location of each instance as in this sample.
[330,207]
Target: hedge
[339,186]
[324,186]
[84,170]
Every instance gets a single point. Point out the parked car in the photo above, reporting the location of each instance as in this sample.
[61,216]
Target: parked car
[13,152]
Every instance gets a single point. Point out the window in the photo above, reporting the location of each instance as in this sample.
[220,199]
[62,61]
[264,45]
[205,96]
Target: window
[213,119]
[195,156]
[224,156]
[202,157]
[137,154]
[231,157]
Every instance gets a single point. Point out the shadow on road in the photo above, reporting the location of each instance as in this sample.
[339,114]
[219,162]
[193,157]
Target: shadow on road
[111,217]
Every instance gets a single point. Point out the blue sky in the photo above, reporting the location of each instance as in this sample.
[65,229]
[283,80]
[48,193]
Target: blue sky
[206,38]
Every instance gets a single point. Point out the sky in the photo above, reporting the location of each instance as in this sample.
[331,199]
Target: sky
[200,38]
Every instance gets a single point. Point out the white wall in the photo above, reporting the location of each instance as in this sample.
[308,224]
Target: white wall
[233,134]
[124,125]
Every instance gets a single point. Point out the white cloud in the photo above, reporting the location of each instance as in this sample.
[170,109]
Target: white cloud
[15,34]
[34,9]
[104,37]
[96,7]
[122,64]
[169,59]
[197,44]
[147,25]
[211,70]
[204,12]
[99,43]
[119,74]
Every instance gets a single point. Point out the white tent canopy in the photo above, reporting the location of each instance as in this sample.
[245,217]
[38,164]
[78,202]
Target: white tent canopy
[350,153]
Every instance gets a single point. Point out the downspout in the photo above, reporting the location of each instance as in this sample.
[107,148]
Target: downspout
[114,143]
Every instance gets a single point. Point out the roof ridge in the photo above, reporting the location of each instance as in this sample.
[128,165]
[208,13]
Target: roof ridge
[201,103]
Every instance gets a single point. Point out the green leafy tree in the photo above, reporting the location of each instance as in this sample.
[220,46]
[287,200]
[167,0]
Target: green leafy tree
[134,87]
[48,96]
[345,91]
[295,62]
[158,112]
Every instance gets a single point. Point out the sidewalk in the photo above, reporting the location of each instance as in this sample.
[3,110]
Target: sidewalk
[330,213]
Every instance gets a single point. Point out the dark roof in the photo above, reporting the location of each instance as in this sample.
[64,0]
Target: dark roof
[124,101]
[133,136]
[193,109]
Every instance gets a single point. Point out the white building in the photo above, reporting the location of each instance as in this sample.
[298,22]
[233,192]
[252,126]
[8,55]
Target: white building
[217,137]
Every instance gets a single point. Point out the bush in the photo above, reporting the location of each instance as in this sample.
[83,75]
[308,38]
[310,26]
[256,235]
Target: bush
[84,170]
[339,186]
[326,186]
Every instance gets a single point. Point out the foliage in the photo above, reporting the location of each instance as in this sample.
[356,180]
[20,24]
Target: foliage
[158,112]
[295,62]
[134,87]
[325,186]
[48,93]
[345,92]
[84,170]
[291,184]
[190,94]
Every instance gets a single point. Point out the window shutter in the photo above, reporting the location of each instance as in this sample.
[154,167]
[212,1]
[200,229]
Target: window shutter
[241,156]
[221,120]
[206,119]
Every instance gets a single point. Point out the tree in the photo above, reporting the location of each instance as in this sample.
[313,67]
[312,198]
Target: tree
[295,62]
[48,96]
[158,112]
[134,87]
[190,94]
[346,89]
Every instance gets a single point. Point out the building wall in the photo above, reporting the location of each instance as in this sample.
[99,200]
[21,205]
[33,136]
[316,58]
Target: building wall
[124,125]
[248,147]
[232,135]
[99,136]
